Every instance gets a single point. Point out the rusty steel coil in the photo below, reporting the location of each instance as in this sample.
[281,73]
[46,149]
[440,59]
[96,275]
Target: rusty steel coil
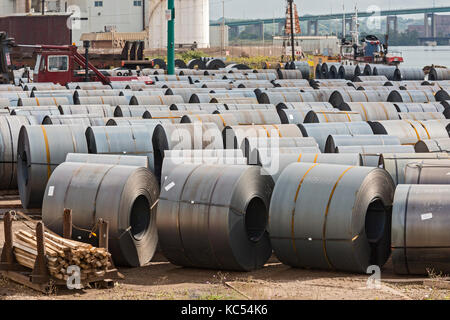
[420,225]
[184,137]
[335,141]
[332,116]
[433,145]
[123,195]
[103,110]
[9,136]
[395,163]
[321,131]
[50,101]
[221,120]
[122,140]
[371,154]
[331,217]
[111,100]
[233,236]
[410,131]
[137,111]
[119,159]
[40,149]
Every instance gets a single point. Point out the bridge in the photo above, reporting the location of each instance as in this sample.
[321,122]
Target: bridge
[314,19]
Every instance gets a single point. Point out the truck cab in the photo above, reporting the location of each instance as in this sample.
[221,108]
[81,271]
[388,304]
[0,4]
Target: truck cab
[53,67]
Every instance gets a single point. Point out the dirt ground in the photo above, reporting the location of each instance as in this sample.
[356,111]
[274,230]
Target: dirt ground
[161,280]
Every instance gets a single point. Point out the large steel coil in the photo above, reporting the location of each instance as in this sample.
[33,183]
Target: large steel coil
[78,119]
[40,149]
[208,97]
[185,93]
[408,73]
[421,115]
[331,217]
[372,111]
[155,100]
[252,143]
[305,105]
[103,110]
[122,140]
[420,223]
[122,195]
[414,96]
[296,116]
[395,163]
[13,97]
[137,111]
[276,98]
[174,158]
[442,95]
[291,83]
[239,107]
[55,101]
[237,100]
[43,86]
[38,112]
[428,172]
[289,74]
[303,67]
[250,117]
[4,102]
[97,93]
[335,141]
[275,162]
[221,120]
[339,97]
[387,71]
[234,136]
[419,107]
[78,85]
[437,74]
[53,94]
[433,145]
[173,116]
[325,69]
[120,160]
[410,131]
[136,121]
[208,107]
[326,116]
[111,100]
[370,155]
[225,230]
[9,136]
[321,131]
[184,137]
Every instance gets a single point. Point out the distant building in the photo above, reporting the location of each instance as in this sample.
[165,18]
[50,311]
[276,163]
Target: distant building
[442,26]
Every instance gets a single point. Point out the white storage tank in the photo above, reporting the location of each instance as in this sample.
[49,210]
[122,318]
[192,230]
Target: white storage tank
[191,23]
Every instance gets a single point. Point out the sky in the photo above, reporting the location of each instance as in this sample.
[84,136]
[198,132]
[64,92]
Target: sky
[255,9]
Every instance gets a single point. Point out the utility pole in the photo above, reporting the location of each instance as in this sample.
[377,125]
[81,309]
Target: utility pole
[43,7]
[291,7]
[171,37]
[223,27]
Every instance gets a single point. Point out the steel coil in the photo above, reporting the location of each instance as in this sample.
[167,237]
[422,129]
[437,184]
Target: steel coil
[305,105]
[40,149]
[185,93]
[233,236]
[221,120]
[372,111]
[348,72]
[9,136]
[122,140]
[339,97]
[173,116]
[419,107]
[122,195]
[437,74]
[276,98]
[420,237]
[371,155]
[253,117]
[387,71]
[252,143]
[405,73]
[111,100]
[79,119]
[103,110]
[120,160]
[442,95]
[428,172]
[208,107]
[332,116]
[37,112]
[421,115]
[433,145]
[414,96]
[55,101]
[184,137]
[331,217]
[240,107]
[395,163]
[321,131]
[135,121]
[137,111]
[335,141]
[410,131]
[155,100]
[296,116]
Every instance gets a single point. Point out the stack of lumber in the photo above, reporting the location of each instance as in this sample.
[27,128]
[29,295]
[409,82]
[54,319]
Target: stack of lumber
[61,253]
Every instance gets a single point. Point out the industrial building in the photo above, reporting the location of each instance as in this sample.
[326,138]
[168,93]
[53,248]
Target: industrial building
[126,16]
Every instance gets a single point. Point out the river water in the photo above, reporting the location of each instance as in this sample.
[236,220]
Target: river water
[424,56]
